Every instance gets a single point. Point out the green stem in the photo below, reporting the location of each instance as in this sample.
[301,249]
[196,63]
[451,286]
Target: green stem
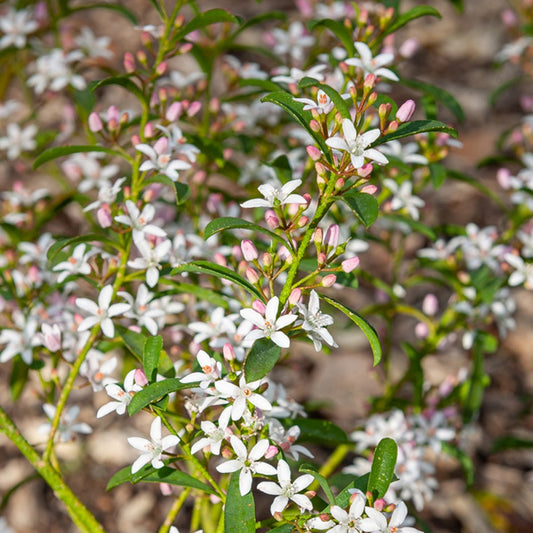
[80,515]
[174,510]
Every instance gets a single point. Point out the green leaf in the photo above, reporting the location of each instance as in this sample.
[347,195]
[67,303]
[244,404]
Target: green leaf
[239,511]
[258,19]
[339,30]
[204,19]
[71,241]
[364,205]
[508,442]
[61,151]
[412,14]
[336,98]
[156,391]
[322,481]
[285,528]
[261,359]
[442,96]
[114,7]
[124,82]
[438,174]
[201,293]
[161,475]
[295,110]
[343,498]
[382,471]
[320,431]
[464,460]
[366,328]
[18,378]
[266,85]
[415,225]
[224,223]
[211,269]
[133,340]
[412,128]
[151,352]
[182,190]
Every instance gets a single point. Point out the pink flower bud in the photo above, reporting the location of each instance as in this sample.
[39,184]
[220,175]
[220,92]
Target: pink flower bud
[236,252]
[405,111]
[271,219]
[409,47]
[174,111]
[430,305]
[329,280]
[305,8]
[220,259]
[95,122]
[252,276]
[51,337]
[249,251]
[228,352]
[113,113]
[103,215]
[165,488]
[421,330]
[161,68]
[380,504]
[161,146]
[135,140]
[271,452]
[314,153]
[332,236]
[369,189]
[149,130]
[295,296]
[321,259]
[129,62]
[267,260]
[140,377]
[504,178]
[365,170]
[350,264]
[259,306]
[194,108]
[284,254]
[370,82]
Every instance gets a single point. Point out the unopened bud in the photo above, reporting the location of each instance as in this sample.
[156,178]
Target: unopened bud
[332,236]
[141,58]
[161,68]
[302,222]
[194,108]
[227,453]
[329,280]
[406,110]
[318,237]
[370,82]
[140,377]
[321,259]
[129,62]
[314,153]
[252,276]
[421,330]
[259,306]
[149,130]
[339,184]
[350,264]
[228,352]
[504,178]
[51,337]
[267,260]
[271,219]
[430,305]
[369,189]
[103,215]
[173,112]
[249,251]
[95,122]
[295,296]
[380,504]
[315,126]
[271,452]
[113,113]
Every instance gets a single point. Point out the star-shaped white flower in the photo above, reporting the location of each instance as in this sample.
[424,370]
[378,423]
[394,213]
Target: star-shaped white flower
[356,144]
[351,521]
[372,65]
[139,220]
[286,490]
[315,322]
[247,463]
[122,396]
[277,195]
[268,326]
[152,449]
[395,522]
[323,104]
[211,371]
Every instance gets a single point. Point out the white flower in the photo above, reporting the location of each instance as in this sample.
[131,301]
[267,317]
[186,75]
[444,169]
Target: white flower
[323,104]
[241,394]
[403,198]
[18,140]
[292,41]
[152,449]
[277,195]
[144,310]
[351,521]
[16,25]
[247,463]
[372,65]
[395,522]
[286,490]
[75,264]
[269,326]
[67,426]
[294,75]
[96,372]
[315,321]
[20,341]
[93,46]
[160,159]
[102,312]
[215,437]
[523,271]
[211,371]
[408,153]
[356,144]
[139,221]
[122,396]
[152,257]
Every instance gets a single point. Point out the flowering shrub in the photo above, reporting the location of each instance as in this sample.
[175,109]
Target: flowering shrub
[219,216]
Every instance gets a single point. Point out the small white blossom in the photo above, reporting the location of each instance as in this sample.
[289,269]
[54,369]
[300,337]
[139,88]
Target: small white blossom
[67,425]
[314,322]
[211,371]
[372,65]
[277,195]
[18,140]
[122,396]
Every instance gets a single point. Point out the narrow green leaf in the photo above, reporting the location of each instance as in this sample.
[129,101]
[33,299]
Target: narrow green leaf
[258,19]
[224,223]
[211,269]
[206,18]
[261,359]
[118,8]
[339,30]
[18,378]
[122,81]
[71,241]
[336,98]
[364,205]
[438,174]
[182,190]
[508,442]
[322,481]
[151,352]
[464,460]
[285,528]
[415,225]
[412,14]
[412,128]
[350,483]
[320,431]
[366,328]
[295,110]
[382,472]
[239,511]
[133,340]
[201,293]
[266,85]
[154,392]
[442,96]
[61,151]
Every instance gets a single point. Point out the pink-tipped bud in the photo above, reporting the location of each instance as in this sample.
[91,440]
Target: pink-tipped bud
[135,140]
[149,131]
[272,451]
[430,305]
[194,108]
[228,352]
[271,219]
[259,306]
[321,259]
[161,68]
[409,47]
[365,170]
[350,264]
[504,178]
[370,82]
[295,296]
[267,260]
[406,110]
[129,62]
[380,504]
[314,153]
[236,252]
[318,237]
[113,113]
[329,280]
[95,122]
[51,337]
[174,111]
[252,276]
[220,259]
[103,215]
[421,330]
[315,126]
[165,488]
[332,236]
[249,251]
[140,377]
[369,189]
[339,184]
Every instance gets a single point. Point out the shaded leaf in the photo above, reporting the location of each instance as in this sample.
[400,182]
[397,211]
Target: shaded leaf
[412,14]
[71,241]
[204,19]
[320,431]
[61,151]
[18,378]
[133,340]
[464,460]
[339,30]
[366,328]
[121,81]
[322,481]
[151,352]
[364,205]
[155,391]
[438,174]
[261,359]
[412,128]
[336,98]
[239,511]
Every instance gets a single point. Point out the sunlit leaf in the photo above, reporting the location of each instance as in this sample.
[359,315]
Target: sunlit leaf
[261,359]
[383,463]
